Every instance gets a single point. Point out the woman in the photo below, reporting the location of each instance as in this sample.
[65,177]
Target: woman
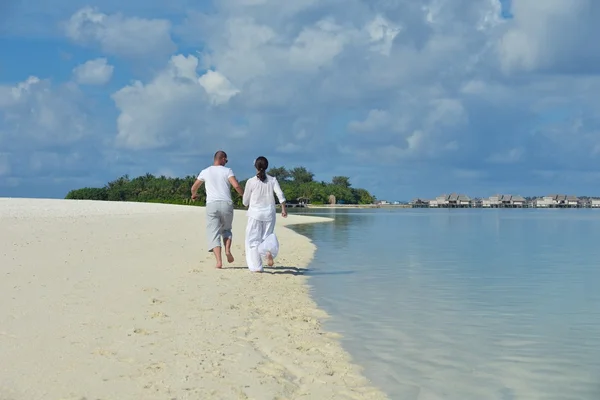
[258,197]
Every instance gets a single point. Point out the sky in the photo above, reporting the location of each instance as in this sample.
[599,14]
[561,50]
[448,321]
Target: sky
[408,98]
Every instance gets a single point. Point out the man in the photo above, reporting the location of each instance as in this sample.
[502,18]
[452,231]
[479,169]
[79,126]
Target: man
[219,205]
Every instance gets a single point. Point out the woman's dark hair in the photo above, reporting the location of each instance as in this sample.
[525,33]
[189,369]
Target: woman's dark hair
[261,164]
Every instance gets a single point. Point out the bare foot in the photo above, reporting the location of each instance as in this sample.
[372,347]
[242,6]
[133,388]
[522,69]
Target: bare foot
[219,265]
[230,258]
[269,259]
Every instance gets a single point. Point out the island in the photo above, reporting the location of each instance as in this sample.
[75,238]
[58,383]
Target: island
[298,184]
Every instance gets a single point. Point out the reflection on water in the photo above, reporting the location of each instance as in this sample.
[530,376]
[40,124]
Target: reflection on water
[465,304]
[340,232]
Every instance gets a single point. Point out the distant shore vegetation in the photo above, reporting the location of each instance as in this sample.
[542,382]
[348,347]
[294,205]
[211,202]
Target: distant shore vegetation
[298,185]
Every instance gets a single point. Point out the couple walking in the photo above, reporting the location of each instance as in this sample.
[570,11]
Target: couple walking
[261,241]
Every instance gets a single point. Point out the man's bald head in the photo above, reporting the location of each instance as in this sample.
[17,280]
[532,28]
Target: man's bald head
[220,158]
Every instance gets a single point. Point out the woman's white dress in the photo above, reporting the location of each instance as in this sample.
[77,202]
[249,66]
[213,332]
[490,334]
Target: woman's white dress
[260,237]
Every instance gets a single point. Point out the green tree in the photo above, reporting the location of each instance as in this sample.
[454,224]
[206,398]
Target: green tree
[149,188]
[342,194]
[343,181]
[362,196]
[281,173]
[301,175]
[120,189]
[88,194]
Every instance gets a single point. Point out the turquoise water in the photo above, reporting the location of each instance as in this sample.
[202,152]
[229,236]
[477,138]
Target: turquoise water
[464,304]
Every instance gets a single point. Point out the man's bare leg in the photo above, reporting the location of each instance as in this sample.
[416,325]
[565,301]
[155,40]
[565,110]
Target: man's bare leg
[230,258]
[217,251]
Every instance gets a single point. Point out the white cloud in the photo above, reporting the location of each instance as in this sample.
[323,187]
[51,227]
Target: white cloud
[174,107]
[446,83]
[258,53]
[424,129]
[376,119]
[45,131]
[551,35]
[446,113]
[382,33]
[154,114]
[93,72]
[12,95]
[37,113]
[430,68]
[424,75]
[217,86]
[317,46]
[130,37]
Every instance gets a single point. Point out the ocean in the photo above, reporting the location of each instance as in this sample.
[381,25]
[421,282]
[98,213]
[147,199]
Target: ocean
[464,304]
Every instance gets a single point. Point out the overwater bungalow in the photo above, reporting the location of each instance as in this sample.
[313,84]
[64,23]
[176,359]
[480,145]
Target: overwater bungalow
[558,201]
[453,200]
[545,202]
[573,202]
[419,203]
[513,201]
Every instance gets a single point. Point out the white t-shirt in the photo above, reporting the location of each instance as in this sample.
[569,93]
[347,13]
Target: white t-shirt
[258,197]
[216,179]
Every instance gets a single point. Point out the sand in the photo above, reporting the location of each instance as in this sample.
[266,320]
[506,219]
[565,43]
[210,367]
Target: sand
[103,300]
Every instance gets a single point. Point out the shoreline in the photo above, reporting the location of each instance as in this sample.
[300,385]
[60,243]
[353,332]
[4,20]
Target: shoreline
[122,300]
[342,206]
[359,206]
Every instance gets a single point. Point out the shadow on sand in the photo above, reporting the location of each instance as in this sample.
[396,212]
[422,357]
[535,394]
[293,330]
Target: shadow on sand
[287,270]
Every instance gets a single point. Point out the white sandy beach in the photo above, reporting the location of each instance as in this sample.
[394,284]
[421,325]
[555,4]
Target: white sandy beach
[104,300]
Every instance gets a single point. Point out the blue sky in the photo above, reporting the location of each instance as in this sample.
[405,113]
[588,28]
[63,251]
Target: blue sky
[410,98]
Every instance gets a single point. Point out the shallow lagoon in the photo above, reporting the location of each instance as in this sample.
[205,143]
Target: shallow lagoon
[464,304]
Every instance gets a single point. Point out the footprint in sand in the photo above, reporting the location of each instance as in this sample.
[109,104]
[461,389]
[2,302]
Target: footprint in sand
[138,331]
[272,369]
[156,301]
[156,366]
[159,314]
